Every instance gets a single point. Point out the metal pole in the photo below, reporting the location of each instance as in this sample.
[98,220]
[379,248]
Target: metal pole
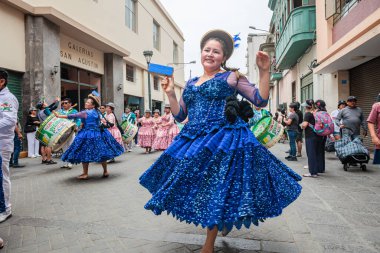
[149,91]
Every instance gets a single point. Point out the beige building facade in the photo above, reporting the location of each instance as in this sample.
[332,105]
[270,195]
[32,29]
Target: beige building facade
[69,48]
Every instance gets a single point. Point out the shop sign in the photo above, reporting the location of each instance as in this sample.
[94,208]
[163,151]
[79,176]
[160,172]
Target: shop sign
[78,54]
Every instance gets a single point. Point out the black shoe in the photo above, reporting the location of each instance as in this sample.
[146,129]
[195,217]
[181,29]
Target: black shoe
[44,162]
[18,166]
[292,158]
[50,162]
[289,156]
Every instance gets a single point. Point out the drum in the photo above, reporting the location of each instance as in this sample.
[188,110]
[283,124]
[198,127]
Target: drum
[54,132]
[180,126]
[130,130]
[268,131]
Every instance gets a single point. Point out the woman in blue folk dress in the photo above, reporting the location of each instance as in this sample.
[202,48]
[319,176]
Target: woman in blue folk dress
[92,144]
[215,173]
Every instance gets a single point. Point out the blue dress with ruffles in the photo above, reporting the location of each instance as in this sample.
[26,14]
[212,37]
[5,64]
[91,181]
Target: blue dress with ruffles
[91,143]
[216,173]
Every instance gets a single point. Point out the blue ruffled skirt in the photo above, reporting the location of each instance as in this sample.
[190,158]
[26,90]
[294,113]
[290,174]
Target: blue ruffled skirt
[92,145]
[219,177]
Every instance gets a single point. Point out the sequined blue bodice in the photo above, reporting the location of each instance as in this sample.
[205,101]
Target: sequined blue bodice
[205,103]
[92,120]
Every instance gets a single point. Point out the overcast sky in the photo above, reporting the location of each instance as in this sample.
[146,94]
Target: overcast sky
[196,17]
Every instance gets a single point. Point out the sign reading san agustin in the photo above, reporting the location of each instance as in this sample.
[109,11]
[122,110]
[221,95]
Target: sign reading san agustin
[77,54]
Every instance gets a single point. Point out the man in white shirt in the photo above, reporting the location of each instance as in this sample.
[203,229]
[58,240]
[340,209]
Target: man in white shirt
[8,120]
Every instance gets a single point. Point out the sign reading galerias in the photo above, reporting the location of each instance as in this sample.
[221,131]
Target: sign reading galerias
[78,54]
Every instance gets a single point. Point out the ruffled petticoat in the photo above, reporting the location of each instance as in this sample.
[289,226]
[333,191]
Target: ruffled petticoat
[146,137]
[161,142]
[115,132]
[92,145]
[173,132]
[220,177]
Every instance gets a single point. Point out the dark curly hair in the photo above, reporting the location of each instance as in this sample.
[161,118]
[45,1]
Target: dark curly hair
[235,108]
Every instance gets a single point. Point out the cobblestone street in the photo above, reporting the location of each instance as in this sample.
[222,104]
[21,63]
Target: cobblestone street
[54,212]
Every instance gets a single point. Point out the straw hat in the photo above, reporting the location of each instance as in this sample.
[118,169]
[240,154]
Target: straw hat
[222,35]
[95,96]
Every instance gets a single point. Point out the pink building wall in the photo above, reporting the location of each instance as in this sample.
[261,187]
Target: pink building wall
[329,47]
[354,17]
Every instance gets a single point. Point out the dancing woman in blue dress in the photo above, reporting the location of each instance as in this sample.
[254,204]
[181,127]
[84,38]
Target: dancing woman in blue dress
[215,173]
[92,144]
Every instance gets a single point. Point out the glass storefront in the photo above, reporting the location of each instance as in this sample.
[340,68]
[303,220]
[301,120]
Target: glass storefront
[77,83]
[133,102]
[157,105]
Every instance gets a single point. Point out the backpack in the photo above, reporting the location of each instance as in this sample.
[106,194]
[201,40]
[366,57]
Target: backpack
[323,124]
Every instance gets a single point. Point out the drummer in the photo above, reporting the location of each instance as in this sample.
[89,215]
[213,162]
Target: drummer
[45,112]
[67,109]
[258,113]
[131,118]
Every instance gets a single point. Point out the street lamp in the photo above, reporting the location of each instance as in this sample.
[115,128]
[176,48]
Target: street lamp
[190,62]
[177,63]
[254,28]
[148,56]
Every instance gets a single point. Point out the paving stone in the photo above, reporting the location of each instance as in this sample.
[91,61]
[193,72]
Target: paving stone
[280,247]
[44,246]
[362,219]
[54,212]
[334,234]
[346,248]
[323,217]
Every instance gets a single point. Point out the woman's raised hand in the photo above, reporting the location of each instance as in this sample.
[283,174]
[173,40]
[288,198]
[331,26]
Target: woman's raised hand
[167,84]
[263,61]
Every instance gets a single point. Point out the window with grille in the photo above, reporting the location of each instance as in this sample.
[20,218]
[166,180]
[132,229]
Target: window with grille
[294,95]
[175,52]
[130,70]
[130,14]
[156,83]
[297,3]
[342,8]
[156,35]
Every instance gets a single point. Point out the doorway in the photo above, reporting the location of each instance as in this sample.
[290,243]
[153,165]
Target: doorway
[78,83]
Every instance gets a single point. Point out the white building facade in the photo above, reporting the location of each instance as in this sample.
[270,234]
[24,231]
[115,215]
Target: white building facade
[69,48]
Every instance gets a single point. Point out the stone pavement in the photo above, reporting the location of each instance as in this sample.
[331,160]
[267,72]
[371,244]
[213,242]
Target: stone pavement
[54,212]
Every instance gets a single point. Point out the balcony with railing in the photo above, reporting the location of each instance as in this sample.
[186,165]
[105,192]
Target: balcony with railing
[348,14]
[297,36]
